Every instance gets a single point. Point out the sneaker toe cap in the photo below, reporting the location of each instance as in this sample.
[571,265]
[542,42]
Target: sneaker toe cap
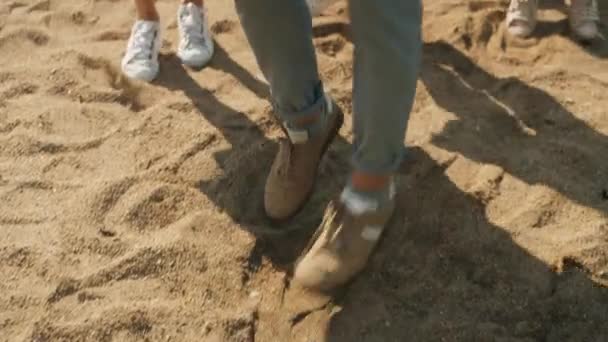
[520,29]
[586,30]
[196,57]
[140,71]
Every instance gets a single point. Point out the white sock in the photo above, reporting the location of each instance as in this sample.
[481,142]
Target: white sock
[360,202]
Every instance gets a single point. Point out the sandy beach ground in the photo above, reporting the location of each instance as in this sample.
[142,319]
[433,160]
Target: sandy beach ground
[133,212]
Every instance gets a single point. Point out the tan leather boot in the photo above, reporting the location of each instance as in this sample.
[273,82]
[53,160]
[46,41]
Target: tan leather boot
[292,176]
[341,246]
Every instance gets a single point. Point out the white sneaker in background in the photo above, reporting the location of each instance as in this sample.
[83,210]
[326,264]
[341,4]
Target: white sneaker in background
[521,17]
[584,17]
[195,42]
[141,58]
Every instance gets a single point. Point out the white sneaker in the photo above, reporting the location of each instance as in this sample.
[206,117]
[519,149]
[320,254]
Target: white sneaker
[584,16]
[521,17]
[195,43]
[141,58]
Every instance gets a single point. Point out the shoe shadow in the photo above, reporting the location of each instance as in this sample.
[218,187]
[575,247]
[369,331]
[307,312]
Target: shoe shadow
[444,272]
[239,191]
[510,110]
[519,128]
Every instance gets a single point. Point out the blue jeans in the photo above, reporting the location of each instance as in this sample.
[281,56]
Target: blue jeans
[388,44]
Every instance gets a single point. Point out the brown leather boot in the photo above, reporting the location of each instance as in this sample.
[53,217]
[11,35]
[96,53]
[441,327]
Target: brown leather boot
[341,246]
[294,170]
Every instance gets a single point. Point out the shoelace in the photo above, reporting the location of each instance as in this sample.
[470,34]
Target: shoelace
[142,42]
[585,10]
[192,27]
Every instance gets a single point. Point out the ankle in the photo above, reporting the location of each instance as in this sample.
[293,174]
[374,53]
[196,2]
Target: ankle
[369,195]
[148,16]
[306,121]
[366,182]
[198,3]
[306,128]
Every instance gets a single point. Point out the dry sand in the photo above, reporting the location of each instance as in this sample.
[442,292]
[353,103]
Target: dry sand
[129,211]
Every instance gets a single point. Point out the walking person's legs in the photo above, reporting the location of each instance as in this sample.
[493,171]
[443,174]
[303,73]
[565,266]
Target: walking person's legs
[146,10]
[387,54]
[141,57]
[195,46]
[521,17]
[387,38]
[280,33]
[583,17]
